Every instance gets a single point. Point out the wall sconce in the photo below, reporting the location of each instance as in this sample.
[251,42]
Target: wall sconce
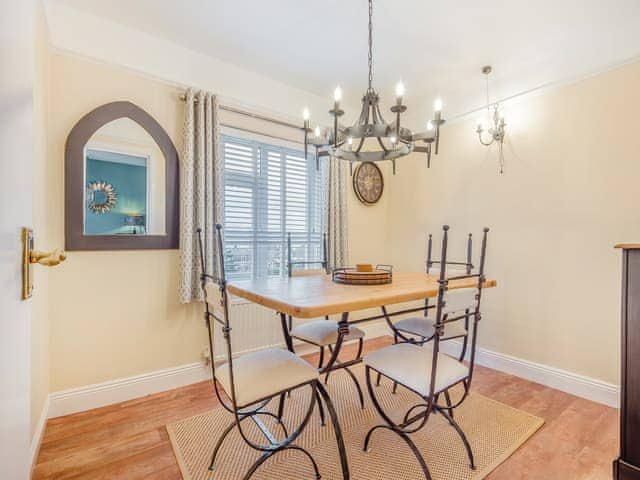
[496,132]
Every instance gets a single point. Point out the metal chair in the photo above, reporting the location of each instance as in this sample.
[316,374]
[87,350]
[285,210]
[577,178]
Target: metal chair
[421,329]
[323,333]
[252,380]
[426,372]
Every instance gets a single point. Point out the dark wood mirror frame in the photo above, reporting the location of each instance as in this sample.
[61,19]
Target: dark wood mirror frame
[75,239]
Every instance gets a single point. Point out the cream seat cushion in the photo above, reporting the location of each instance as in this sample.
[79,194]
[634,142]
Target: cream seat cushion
[323,332]
[410,365]
[423,327]
[259,375]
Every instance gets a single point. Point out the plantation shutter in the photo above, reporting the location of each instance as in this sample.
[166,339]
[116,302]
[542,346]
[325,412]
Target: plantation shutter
[269,191]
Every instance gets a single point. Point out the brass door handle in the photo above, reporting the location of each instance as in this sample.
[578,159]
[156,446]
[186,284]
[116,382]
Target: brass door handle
[48,259]
[31,256]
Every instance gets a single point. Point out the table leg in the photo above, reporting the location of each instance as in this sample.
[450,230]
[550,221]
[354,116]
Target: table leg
[285,331]
[343,330]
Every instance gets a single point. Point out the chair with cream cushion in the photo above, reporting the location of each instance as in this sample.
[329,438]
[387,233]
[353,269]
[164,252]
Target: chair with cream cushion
[424,370]
[252,380]
[421,329]
[323,333]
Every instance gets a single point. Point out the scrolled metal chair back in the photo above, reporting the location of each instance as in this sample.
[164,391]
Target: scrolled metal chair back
[215,288]
[323,262]
[456,304]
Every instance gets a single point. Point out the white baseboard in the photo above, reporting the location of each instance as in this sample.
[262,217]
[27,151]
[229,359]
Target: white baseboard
[119,390]
[85,398]
[36,441]
[579,385]
[115,391]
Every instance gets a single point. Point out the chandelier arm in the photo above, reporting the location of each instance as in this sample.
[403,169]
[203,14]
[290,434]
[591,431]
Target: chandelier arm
[482,141]
[364,115]
[379,114]
[385,149]
[365,111]
[374,114]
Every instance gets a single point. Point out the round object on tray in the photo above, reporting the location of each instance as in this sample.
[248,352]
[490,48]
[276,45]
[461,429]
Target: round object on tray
[364,267]
[351,276]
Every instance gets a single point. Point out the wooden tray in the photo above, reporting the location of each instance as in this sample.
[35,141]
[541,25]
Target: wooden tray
[351,276]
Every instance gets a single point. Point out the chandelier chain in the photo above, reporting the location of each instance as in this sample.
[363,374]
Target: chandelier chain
[370,44]
[486,78]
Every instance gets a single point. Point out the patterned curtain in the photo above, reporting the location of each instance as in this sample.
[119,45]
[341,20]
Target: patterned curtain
[337,232]
[200,192]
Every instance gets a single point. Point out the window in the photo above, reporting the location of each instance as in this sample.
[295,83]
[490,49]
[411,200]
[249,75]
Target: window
[269,192]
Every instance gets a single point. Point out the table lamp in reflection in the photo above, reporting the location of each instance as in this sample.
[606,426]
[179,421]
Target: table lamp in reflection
[135,221]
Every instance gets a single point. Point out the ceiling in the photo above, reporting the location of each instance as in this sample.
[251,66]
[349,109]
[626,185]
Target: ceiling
[436,47]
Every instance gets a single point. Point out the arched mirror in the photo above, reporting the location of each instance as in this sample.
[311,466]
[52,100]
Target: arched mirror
[121,182]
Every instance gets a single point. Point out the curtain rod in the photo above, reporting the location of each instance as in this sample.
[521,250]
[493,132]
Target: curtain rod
[255,132]
[257,116]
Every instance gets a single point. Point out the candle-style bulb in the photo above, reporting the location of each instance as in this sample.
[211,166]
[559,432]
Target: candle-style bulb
[316,132]
[429,125]
[437,105]
[305,114]
[400,89]
[350,140]
[393,139]
[337,94]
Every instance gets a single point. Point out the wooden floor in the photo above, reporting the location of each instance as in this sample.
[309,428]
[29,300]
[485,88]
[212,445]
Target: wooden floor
[129,440]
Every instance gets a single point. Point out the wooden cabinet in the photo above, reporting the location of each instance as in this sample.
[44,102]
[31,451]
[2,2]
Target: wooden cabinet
[627,465]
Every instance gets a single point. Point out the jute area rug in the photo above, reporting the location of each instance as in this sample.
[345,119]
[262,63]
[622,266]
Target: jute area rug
[494,431]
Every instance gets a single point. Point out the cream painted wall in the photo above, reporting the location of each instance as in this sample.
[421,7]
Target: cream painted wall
[40,224]
[116,314]
[569,193]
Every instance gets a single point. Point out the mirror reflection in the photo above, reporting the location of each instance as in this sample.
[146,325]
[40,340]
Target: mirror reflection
[124,181]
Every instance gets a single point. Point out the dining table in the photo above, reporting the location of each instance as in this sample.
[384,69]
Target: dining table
[316,296]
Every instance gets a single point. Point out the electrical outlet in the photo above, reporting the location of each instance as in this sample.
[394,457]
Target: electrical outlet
[206,356]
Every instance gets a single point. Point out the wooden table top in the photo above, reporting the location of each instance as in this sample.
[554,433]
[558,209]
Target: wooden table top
[317,295]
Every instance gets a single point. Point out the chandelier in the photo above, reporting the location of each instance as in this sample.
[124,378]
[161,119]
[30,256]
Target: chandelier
[496,121]
[393,139]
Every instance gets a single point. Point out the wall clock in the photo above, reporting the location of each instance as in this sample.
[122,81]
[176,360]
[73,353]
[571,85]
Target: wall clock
[368,183]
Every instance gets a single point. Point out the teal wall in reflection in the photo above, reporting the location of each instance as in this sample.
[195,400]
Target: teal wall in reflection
[130,183]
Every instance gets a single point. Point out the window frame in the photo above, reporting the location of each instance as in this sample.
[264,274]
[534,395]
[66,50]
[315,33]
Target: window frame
[261,237]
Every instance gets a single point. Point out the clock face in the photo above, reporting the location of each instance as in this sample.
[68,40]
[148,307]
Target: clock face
[368,183]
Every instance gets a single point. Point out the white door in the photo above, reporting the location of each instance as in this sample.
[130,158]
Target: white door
[16,155]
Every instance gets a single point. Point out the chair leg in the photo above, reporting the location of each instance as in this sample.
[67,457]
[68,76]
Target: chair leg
[462,436]
[447,399]
[326,377]
[313,462]
[338,431]
[265,456]
[219,444]
[321,361]
[378,379]
[281,402]
[394,428]
[355,380]
[408,441]
[320,409]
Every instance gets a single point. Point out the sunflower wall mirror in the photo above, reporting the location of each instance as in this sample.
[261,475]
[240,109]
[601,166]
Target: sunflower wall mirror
[121,182]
